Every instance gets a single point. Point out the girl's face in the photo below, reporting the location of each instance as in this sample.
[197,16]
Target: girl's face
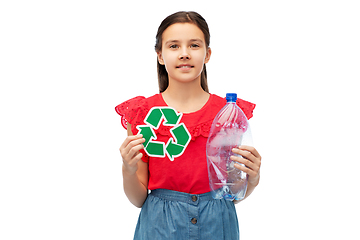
[183,52]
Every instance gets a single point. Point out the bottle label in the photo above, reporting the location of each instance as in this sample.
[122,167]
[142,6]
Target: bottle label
[176,145]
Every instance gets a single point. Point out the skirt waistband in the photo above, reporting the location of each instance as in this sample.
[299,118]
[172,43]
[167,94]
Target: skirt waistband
[193,199]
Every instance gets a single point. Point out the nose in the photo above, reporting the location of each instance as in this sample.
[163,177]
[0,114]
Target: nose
[184,55]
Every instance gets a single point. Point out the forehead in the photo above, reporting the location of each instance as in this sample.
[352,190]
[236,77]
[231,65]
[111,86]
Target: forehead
[182,32]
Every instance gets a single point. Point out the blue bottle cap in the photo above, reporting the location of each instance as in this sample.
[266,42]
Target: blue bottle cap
[231,97]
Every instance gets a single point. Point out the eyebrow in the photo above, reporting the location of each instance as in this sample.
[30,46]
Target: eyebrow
[191,40]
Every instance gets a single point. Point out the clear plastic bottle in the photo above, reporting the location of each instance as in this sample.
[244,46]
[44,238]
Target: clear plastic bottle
[229,129]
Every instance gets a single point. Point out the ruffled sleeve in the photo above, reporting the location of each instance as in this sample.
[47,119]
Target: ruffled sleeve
[132,111]
[246,107]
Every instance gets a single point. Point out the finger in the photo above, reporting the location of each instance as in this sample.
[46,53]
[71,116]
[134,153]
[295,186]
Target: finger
[253,175]
[245,154]
[135,150]
[245,169]
[132,167]
[247,158]
[246,162]
[132,143]
[131,148]
[129,139]
[137,157]
[250,149]
[249,153]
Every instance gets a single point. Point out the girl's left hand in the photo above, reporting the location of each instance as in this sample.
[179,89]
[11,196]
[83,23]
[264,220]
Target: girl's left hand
[252,161]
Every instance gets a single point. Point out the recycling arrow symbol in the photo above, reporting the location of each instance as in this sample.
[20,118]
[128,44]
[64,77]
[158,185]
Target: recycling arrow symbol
[176,145]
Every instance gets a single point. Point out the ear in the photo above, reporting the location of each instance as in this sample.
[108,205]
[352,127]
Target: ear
[208,55]
[160,58]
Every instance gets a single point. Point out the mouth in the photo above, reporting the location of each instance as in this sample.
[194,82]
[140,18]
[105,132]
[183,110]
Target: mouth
[184,66]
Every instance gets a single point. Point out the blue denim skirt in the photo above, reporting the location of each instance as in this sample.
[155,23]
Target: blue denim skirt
[171,215]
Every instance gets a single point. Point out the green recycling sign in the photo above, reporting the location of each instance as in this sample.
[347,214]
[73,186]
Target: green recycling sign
[176,145]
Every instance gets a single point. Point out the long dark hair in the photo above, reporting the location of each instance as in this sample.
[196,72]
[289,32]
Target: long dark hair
[180,17]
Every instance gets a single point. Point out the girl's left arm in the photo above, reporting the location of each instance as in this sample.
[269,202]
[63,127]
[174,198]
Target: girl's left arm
[252,161]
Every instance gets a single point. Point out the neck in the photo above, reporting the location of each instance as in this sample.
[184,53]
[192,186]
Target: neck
[184,91]
[185,97]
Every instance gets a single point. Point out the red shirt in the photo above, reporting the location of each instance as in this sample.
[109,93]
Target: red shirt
[187,173]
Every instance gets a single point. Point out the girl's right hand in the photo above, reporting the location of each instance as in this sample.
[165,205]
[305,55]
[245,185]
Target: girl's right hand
[130,153]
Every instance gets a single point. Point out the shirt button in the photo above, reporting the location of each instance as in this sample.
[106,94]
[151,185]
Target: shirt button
[194,198]
[193,220]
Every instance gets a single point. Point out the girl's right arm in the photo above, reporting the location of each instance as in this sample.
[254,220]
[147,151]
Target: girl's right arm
[135,171]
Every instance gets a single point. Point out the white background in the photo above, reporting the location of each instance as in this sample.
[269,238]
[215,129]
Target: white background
[65,65]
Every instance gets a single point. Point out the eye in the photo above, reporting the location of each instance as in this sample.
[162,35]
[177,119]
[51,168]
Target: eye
[194,45]
[173,46]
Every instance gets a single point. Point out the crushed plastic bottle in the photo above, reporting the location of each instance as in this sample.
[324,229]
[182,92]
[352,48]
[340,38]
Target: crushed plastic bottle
[229,130]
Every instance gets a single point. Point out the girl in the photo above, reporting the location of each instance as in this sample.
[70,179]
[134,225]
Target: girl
[179,205]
